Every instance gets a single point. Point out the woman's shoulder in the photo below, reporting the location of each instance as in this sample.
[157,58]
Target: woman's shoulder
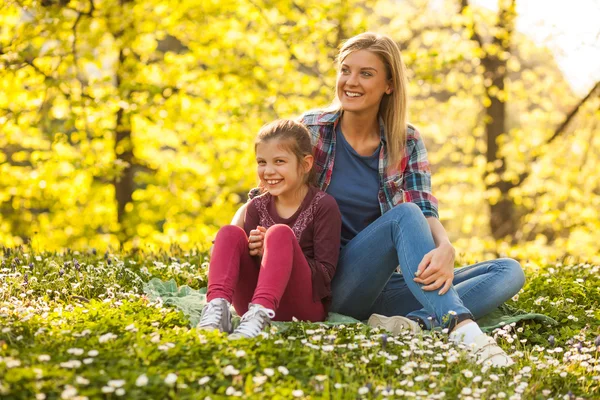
[412,133]
[319,117]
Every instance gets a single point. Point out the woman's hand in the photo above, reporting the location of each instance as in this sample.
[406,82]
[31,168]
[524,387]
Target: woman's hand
[437,269]
[256,241]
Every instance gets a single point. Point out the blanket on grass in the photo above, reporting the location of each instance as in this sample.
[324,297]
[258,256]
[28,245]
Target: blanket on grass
[191,301]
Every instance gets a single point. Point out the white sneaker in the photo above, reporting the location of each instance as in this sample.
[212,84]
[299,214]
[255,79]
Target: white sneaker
[253,322]
[395,325]
[216,316]
[487,352]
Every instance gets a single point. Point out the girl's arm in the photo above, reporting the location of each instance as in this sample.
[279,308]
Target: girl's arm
[327,232]
[240,214]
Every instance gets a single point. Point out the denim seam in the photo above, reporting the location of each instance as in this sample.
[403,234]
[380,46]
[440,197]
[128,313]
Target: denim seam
[483,281]
[399,227]
[366,236]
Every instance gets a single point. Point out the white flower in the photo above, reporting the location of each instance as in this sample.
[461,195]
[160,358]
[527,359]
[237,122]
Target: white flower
[466,391]
[259,380]
[321,378]
[93,353]
[80,380]
[203,380]
[131,328]
[11,362]
[75,351]
[107,389]
[269,371]
[363,390]
[107,337]
[142,380]
[230,370]
[283,370]
[171,379]
[40,396]
[43,358]
[240,353]
[116,383]
[87,361]
[467,373]
[120,392]
[297,393]
[69,392]
[155,338]
[71,364]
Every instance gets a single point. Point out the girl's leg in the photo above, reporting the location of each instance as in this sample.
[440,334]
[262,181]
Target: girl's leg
[285,279]
[482,288]
[400,236]
[233,273]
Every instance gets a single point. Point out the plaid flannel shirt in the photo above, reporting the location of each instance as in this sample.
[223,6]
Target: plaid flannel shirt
[411,182]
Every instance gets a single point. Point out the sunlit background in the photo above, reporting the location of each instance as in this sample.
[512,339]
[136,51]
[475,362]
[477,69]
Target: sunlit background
[130,123]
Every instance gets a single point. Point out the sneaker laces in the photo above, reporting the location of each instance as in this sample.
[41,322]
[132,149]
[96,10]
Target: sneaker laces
[211,314]
[254,321]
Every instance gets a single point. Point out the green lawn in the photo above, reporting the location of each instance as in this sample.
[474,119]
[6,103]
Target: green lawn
[77,325]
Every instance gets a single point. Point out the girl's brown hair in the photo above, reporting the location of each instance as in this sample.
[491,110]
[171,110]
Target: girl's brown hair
[294,137]
[393,106]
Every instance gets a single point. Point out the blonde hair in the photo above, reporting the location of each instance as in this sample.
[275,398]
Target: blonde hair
[393,106]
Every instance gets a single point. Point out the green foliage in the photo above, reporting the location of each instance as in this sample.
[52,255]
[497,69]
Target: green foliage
[67,340]
[164,98]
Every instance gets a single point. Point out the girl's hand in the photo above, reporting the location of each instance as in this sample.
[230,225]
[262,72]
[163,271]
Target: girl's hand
[437,269]
[256,241]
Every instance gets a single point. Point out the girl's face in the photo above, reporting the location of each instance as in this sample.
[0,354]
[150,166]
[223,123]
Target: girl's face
[362,82]
[279,170]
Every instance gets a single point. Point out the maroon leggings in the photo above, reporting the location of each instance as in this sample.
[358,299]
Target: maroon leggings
[281,282]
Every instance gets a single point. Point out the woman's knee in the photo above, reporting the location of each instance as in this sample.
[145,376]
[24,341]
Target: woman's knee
[513,271]
[406,210]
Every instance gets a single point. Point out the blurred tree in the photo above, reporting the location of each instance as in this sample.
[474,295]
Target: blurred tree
[130,122]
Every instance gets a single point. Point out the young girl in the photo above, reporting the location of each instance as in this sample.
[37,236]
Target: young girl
[278,259]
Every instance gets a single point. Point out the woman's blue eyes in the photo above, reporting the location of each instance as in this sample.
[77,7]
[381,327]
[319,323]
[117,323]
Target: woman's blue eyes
[363,73]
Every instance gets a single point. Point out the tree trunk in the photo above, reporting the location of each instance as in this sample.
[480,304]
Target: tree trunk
[124,184]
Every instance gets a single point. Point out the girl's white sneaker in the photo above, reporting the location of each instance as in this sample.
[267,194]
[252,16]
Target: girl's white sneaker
[253,322]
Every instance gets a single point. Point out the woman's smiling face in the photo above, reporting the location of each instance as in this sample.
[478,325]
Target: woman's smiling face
[362,82]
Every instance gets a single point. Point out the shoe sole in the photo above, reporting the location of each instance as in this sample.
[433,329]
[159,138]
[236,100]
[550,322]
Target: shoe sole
[395,325]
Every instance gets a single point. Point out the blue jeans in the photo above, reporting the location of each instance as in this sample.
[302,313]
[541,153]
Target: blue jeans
[365,281]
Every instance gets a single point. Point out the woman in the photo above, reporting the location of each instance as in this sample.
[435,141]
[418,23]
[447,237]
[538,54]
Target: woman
[375,165]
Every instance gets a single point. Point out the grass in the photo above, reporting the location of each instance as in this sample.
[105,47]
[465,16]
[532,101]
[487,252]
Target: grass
[77,325]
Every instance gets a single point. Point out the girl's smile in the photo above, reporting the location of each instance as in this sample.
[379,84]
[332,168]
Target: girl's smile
[279,169]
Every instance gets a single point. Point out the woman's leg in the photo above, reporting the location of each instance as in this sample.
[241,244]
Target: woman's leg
[482,287]
[400,236]
[285,279]
[233,272]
